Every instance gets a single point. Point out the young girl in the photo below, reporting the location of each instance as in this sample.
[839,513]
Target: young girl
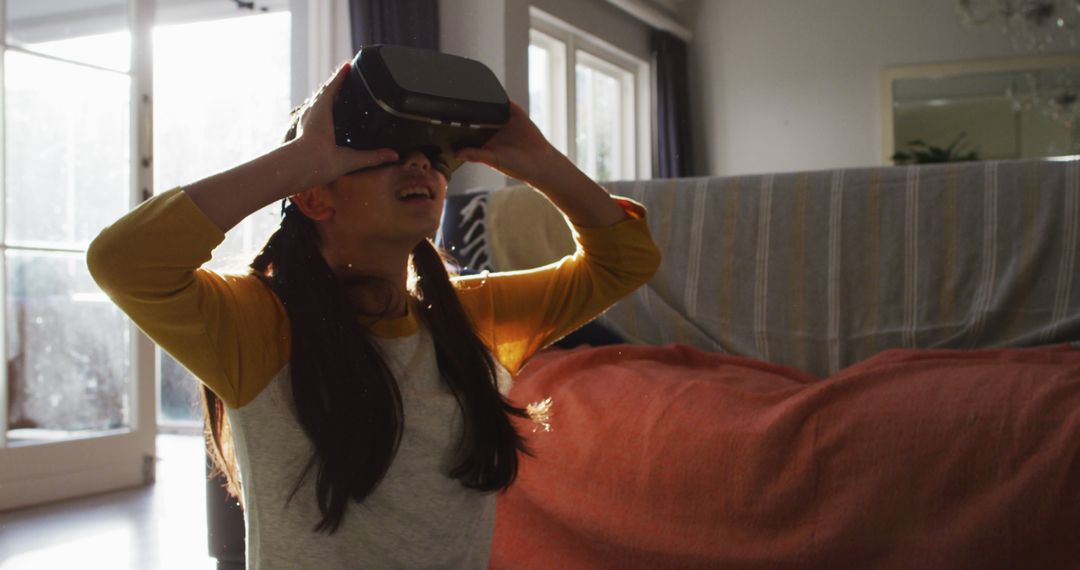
[364,388]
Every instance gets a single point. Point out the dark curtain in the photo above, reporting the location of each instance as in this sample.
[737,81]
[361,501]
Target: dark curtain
[671,107]
[413,23]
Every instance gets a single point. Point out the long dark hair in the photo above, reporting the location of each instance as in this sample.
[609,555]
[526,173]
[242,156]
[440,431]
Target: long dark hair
[346,398]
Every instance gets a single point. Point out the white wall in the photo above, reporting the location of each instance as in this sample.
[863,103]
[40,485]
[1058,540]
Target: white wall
[783,85]
[477,29]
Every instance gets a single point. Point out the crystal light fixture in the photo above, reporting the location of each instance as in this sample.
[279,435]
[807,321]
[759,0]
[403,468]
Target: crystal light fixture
[1055,94]
[1032,25]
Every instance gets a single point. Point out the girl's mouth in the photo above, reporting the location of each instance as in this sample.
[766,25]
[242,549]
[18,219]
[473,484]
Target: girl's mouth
[414,193]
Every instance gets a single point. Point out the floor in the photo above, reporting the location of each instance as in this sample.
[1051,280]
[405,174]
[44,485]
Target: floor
[162,526]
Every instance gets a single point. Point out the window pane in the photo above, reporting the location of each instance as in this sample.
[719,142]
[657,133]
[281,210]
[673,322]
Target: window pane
[67,156]
[599,128]
[547,87]
[218,102]
[94,32]
[179,391]
[540,89]
[65,376]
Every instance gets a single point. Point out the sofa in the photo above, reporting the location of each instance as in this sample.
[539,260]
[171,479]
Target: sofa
[858,368]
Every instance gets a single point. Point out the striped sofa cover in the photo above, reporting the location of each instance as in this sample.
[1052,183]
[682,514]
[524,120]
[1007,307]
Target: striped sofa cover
[820,270]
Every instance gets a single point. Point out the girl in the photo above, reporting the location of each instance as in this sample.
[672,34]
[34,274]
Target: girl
[364,388]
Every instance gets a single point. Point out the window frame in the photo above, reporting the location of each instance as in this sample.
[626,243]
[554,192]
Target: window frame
[637,98]
[59,468]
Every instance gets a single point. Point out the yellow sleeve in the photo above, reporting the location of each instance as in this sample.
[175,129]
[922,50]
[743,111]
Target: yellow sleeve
[518,313]
[230,331]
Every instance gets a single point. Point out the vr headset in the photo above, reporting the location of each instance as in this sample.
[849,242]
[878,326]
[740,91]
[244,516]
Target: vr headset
[415,99]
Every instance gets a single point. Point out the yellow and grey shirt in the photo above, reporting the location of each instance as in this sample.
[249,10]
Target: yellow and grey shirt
[232,333]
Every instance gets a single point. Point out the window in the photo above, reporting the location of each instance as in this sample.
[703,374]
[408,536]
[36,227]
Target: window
[547,87]
[581,86]
[66,143]
[245,58]
[91,119]
[66,378]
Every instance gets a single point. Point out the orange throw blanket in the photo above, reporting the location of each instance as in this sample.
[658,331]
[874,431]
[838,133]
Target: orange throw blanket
[670,457]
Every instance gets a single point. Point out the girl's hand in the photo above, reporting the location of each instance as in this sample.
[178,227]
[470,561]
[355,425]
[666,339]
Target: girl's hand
[315,133]
[518,149]
[311,159]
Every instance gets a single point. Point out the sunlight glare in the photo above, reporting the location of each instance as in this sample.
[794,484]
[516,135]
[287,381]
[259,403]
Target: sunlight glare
[111,50]
[115,545]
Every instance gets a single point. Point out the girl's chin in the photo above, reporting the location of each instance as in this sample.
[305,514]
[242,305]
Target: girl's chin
[421,232]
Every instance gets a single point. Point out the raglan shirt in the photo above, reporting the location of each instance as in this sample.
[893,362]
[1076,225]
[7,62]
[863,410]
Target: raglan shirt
[232,333]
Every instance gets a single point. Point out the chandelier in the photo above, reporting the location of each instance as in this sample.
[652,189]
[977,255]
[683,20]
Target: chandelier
[1032,25]
[1053,93]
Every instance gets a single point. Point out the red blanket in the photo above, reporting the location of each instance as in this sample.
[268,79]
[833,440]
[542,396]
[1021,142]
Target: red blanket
[669,457]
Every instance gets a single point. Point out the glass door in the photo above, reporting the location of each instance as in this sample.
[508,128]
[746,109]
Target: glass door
[218,102]
[77,392]
[79,398]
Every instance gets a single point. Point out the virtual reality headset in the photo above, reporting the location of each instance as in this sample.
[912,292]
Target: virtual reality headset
[415,99]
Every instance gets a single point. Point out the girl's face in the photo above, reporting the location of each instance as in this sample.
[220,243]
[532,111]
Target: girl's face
[396,202]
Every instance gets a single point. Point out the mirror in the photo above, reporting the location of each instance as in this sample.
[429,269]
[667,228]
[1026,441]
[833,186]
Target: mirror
[1023,107]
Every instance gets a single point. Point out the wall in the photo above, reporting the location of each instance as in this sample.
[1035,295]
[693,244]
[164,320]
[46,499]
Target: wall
[780,85]
[321,41]
[478,29]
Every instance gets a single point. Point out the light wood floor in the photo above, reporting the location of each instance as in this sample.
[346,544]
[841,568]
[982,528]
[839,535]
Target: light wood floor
[162,526]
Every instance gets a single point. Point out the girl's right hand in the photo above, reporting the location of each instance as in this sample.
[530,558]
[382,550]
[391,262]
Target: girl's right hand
[310,160]
[315,133]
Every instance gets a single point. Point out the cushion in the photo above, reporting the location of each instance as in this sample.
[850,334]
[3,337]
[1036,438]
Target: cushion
[463,231]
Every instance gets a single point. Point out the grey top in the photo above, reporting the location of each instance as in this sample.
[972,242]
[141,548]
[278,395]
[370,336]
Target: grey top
[418,517]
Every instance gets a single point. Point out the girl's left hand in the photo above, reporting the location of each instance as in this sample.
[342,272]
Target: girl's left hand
[518,149]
